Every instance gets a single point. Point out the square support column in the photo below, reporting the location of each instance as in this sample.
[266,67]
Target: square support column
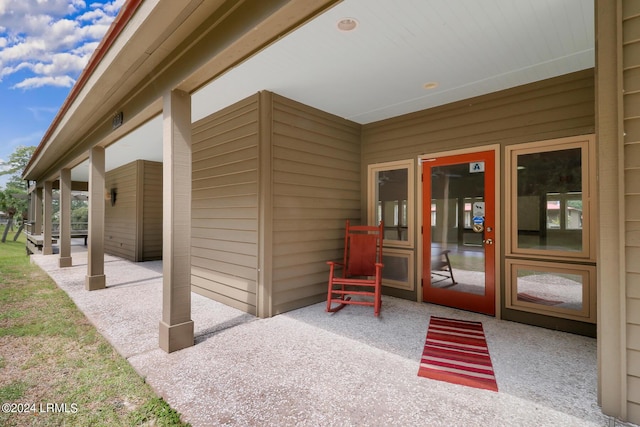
[176,326]
[37,212]
[64,240]
[95,278]
[612,340]
[47,194]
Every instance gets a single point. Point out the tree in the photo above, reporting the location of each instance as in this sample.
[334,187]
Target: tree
[17,161]
[13,198]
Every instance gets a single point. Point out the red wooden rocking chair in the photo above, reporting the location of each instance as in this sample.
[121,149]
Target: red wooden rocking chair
[361,269]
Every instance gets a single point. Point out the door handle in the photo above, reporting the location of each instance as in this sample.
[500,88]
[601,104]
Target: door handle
[489,241]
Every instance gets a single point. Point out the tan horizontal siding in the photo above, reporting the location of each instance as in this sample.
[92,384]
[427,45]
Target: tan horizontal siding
[631,99]
[225,206]
[553,108]
[213,192]
[316,186]
[228,235]
[231,159]
[120,220]
[221,169]
[151,211]
[222,267]
[301,163]
[225,213]
[239,201]
[229,290]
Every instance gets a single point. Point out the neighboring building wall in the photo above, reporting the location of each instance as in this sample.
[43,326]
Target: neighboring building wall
[133,225]
[316,187]
[151,176]
[553,108]
[120,231]
[225,205]
[631,83]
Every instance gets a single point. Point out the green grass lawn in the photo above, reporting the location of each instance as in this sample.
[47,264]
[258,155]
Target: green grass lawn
[55,366]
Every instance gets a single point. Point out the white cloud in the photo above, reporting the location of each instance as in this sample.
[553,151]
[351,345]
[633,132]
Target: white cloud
[49,42]
[36,82]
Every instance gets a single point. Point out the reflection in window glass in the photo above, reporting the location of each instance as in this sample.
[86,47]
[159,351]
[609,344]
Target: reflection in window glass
[392,191]
[560,290]
[549,203]
[564,211]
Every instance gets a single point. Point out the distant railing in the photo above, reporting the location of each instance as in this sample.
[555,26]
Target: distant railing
[77,228]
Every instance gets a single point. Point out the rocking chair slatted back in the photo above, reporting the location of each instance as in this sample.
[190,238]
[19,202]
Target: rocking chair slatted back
[361,268]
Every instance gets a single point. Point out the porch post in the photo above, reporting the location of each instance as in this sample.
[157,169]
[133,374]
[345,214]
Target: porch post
[31,208]
[95,278]
[37,212]
[64,241]
[611,344]
[176,326]
[48,213]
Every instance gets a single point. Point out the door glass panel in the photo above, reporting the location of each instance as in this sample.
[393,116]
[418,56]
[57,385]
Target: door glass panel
[549,200]
[392,192]
[457,251]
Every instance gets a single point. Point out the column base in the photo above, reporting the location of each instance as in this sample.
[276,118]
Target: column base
[65,262]
[93,283]
[176,337]
[47,250]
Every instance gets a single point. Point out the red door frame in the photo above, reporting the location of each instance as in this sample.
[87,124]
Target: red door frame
[478,303]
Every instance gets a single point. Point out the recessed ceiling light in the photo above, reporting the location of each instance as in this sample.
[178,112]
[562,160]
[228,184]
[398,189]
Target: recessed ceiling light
[430,85]
[347,24]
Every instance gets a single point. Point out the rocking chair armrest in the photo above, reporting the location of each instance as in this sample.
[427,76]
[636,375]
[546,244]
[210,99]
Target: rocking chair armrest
[341,264]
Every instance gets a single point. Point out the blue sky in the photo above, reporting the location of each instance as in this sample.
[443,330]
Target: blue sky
[44,45]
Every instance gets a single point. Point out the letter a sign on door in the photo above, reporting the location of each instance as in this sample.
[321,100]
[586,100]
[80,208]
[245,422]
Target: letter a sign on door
[475,167]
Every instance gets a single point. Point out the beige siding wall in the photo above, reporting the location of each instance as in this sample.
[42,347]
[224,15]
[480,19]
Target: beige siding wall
[563,106]
[120,219]
[316,187]
[631,83]
[225,205]
[554,108]
[151,247]
[133,226]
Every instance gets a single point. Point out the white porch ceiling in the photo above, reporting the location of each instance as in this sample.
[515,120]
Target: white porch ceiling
[467,47]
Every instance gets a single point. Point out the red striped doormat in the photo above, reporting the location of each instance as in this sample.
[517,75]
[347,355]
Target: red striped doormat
[456,352]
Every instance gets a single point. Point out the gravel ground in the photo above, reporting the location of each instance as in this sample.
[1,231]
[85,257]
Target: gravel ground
[310,368]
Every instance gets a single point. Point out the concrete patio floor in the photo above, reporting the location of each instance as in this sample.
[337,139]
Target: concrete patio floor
[310,368]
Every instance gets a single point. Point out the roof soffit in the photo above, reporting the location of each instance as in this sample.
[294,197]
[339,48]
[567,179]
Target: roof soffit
[169,66]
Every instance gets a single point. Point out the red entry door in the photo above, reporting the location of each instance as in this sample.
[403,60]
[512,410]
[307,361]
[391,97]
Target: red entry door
[459,231]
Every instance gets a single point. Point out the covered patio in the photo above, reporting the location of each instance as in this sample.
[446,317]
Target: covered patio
[307,367]
[161,79]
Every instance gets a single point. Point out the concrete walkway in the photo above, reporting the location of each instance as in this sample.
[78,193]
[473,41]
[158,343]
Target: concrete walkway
[309,368]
